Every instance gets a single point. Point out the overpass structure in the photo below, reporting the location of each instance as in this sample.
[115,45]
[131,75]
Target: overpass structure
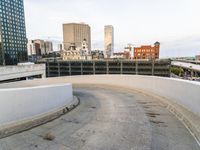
[22,71]
[188,61]
[186,65]
[118,119]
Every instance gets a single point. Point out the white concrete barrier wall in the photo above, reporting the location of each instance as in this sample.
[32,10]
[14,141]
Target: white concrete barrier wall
[34,101]
[25,103]
[184,93]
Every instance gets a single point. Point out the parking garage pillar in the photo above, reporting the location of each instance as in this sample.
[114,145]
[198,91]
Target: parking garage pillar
[81,67]
[121,68]
[70,70]
[94,68]
[58,69]
[107,67]
[48,69]
[136,67]
[153,67]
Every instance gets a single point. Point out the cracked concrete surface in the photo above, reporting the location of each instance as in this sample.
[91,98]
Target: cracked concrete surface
[108,119]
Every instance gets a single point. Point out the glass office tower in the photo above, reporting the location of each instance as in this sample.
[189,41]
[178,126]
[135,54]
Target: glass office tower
[13,42]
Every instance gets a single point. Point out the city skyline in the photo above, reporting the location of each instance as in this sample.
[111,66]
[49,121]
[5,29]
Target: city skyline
[174,23]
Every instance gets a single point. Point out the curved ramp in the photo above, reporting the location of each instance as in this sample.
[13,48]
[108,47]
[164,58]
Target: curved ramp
[179,96]
[108,118]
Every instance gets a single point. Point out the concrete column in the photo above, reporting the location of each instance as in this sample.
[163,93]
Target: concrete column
[44,73]
[48,70]
[185,73]
[196,74]
[107,67]
[136,67]
[81,67]
[70,71]
[58,69]
[153,67]
[192,73]
[43,76]
[180,73]
[94,70]
[121,68]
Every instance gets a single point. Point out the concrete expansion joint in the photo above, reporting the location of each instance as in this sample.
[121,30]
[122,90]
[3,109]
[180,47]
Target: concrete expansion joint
[25,125]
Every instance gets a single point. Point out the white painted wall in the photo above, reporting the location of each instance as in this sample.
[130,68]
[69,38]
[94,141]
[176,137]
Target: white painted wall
[24,103]
[185,93]
[182,92]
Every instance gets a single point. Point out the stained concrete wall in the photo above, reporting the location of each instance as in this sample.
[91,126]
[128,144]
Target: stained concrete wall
[18,104]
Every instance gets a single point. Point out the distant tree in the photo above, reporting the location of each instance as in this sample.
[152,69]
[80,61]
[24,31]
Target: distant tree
[177,71]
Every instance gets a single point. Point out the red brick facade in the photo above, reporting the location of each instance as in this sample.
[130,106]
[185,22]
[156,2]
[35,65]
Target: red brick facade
[198,57]
[147,51]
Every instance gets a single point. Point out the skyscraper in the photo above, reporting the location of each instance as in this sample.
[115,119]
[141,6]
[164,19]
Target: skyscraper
[108,41]
[75,33]
[12,32]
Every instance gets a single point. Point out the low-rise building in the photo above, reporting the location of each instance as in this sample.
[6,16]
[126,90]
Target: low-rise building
[77,53]
[197,57]
[128,52]
[119,55]
[147,51]
[71,54]
[97,54]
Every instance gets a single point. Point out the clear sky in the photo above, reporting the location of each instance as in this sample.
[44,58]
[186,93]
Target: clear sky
[174,23]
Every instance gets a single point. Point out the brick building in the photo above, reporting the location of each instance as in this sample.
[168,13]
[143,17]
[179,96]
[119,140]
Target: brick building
[147,51]
[197,57]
